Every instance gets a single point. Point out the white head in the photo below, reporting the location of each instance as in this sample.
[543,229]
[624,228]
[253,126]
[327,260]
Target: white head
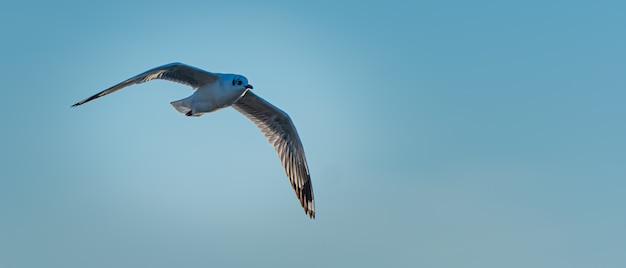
[240,82]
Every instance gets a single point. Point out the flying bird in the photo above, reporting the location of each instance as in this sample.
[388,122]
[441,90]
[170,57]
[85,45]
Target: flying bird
[214,91]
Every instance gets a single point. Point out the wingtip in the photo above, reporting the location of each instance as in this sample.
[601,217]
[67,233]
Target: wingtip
[311,213]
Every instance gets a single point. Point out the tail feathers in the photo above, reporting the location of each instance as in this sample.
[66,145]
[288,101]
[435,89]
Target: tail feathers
[183,106]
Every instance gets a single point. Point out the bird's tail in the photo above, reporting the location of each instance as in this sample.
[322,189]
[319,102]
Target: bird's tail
[183,106]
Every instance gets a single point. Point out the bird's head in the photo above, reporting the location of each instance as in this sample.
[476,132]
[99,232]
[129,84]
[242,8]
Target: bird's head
[240,82]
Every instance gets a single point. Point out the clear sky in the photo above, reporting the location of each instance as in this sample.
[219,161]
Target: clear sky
[438,134]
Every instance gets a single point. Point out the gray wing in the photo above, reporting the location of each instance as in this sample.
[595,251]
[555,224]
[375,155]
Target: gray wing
[175,72]
[281,133]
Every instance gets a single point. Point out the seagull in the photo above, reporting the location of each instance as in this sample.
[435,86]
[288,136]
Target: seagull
[214,91]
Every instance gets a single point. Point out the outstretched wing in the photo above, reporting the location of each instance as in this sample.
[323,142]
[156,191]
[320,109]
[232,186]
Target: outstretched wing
[175,72]
[281,133]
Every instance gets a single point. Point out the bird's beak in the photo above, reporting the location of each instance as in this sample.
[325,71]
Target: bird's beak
[250,87]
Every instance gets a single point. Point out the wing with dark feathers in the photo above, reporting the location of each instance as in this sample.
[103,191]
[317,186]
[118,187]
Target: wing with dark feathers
[281,133]
[175,72]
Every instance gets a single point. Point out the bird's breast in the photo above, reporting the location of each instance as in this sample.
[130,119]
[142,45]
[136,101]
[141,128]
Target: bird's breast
[211,98]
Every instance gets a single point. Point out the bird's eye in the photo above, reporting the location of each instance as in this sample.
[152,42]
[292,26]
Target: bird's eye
[239,82]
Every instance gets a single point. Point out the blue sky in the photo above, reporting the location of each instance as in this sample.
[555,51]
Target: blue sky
[438,134]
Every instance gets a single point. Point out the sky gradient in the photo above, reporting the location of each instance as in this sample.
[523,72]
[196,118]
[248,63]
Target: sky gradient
[438,134]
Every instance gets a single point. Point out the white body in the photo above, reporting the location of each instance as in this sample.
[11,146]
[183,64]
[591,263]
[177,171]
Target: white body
[210,97]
